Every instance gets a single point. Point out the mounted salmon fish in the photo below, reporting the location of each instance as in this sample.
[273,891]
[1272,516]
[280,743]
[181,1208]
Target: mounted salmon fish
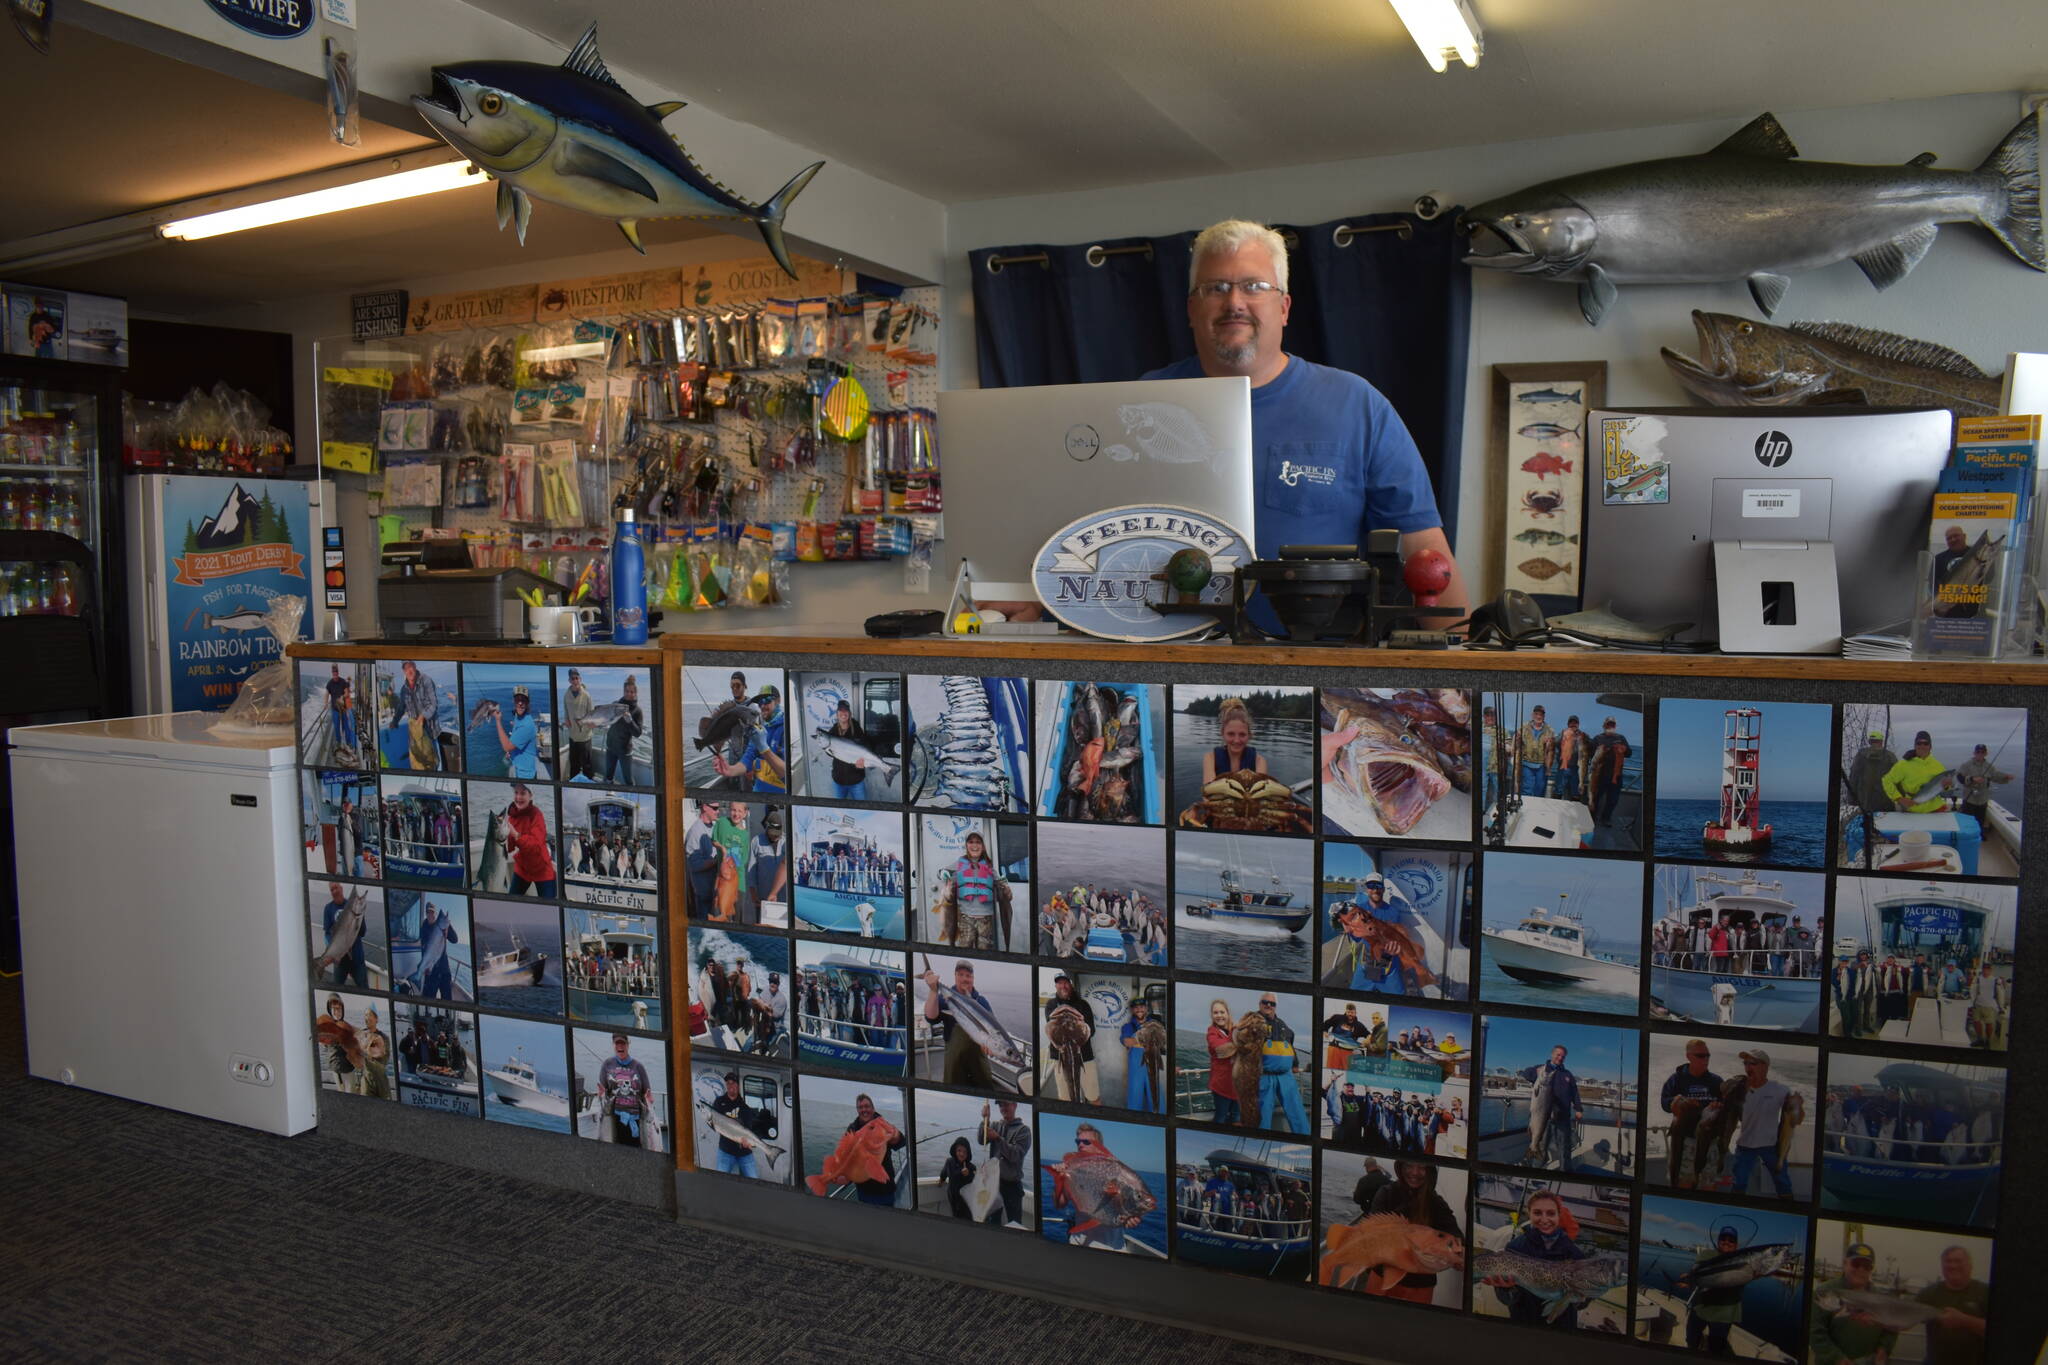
[1747,210]
[571,135]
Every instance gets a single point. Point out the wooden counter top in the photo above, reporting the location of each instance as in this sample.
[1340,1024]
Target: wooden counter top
[1548,660]
[1080,648]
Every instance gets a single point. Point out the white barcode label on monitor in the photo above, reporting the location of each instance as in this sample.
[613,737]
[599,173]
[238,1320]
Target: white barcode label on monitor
[1770,502]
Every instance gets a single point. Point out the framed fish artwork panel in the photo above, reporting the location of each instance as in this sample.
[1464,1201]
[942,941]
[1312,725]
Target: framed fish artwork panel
[1536,458]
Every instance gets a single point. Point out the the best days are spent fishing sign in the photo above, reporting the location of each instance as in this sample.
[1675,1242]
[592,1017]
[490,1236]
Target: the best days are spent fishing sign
[1102,573]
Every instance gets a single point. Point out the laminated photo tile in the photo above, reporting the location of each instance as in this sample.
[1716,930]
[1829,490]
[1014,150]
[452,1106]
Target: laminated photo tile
[337,714]
[736,857]
[856,1136]
[512,841]
[1395,1079]
[518,958]
[1722,1280]
[1102,1038]
[1103,1184]
[971,1022]
[745,1117]
[611,849]
[852,1008]
[508,725]
[1562,770]
[1244,1204]
[352,1035]
[1913,1295]
[735,729]
[347,932]
[604,729]
[1244,905]
[1728,1117]
[970,743]
[342,828]
[974,1160]
[431,938]
[1395,921]
[526,1080]
[848,736]
[611,968]
[848,871]
[1931,791]
[1244,1057]
[418,715]
[1102,894]
[1393,1228]
[1558,1096]
[1562,932]
[1928,962]
[621,1089]
[1244,758]
[971,882]
[1102,752]
[437,1058]
[1909,1139]
[424,830]
[1738,948]
[1551,1253]
[1397,762]
[1744,782]
[740,991]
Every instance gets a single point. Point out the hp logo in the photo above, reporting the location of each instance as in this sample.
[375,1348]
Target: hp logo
[1773,448]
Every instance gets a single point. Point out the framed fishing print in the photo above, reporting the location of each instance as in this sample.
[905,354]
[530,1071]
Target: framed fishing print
[1536,482]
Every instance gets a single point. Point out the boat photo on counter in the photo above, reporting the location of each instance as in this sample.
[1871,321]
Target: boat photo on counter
[1923,962]
[1244,1204]
[611,964]
[1934,791]
[1911,1139]
[1533,1068]
[1102,752]
[1561,932]
[1740,950]
[1562,770]
[425,834]
[437,1058]
[848,871]
[518,955]
[1244,905]
[852,1008]
[525,1073]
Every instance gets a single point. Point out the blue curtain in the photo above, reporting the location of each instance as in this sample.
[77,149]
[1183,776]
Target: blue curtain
[1394,308]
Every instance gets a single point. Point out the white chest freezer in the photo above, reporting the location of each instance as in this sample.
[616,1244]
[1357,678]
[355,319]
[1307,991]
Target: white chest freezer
[163,920]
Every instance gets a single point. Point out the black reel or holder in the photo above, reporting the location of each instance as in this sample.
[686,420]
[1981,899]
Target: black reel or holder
[1323,595]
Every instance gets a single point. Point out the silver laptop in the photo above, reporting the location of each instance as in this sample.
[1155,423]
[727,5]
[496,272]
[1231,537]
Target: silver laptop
[1021,463]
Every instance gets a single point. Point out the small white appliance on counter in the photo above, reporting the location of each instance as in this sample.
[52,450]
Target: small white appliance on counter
[163,916]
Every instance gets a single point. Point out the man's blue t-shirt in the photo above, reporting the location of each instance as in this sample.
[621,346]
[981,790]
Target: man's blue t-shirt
[1331,459]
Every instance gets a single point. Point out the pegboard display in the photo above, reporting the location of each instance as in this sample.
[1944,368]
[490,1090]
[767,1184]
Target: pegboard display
[746,438]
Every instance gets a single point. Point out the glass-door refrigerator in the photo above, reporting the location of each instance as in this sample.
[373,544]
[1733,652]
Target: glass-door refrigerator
[62,564]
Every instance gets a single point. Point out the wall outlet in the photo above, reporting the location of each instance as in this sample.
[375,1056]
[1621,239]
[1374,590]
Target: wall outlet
[251,1070]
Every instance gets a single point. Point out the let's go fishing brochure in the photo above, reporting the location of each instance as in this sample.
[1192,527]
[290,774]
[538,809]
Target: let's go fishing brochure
[1978,534]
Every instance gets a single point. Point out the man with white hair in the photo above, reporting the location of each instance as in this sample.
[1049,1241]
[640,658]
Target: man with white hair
[1331,459]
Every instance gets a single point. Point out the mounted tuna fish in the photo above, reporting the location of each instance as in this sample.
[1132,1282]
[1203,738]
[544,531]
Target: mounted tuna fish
[572,135]
[1753,364]
[1748,211]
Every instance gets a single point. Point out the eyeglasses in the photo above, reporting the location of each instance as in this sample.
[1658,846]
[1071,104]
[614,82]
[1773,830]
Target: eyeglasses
[1220,289]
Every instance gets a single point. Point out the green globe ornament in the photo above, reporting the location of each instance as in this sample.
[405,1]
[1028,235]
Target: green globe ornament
[1188,571]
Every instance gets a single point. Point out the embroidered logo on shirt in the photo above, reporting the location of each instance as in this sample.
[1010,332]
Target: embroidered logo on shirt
[1292,474]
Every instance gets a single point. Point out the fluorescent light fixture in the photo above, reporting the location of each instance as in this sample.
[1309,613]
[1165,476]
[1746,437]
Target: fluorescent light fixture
[1442,29]
[384,189]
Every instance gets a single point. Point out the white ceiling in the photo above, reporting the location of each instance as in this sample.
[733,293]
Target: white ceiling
[977,99]
[963,101]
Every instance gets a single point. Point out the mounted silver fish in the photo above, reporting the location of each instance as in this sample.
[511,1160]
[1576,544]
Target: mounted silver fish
[1747,210]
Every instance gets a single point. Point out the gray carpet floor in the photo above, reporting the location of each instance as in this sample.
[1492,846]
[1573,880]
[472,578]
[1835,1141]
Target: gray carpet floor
[134,1233]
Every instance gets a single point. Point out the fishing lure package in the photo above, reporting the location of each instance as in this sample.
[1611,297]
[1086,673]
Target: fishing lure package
[517,502]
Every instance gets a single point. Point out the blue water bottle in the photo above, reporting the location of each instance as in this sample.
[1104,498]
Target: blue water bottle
[629,583]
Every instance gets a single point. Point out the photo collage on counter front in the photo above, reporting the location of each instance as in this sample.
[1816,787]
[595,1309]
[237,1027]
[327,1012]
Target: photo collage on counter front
[1522,1004]
[484,891]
